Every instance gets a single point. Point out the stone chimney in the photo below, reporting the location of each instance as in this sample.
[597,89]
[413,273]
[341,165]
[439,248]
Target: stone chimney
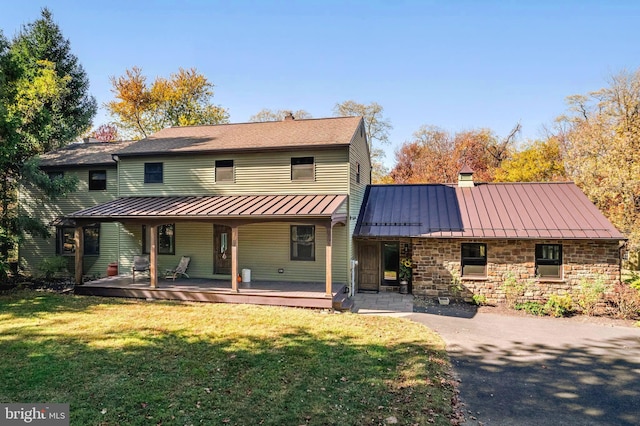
[289,116]
[465,177]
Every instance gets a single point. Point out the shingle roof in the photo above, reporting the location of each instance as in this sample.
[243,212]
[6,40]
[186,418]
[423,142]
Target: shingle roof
[496,210]
[216,206]
[83,154]
[285,134]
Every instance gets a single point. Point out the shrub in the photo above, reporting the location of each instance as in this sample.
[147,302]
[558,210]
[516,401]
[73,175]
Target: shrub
[559,306]
[4,270]
[479,299]
[633,280]
[591,292]
[512,288]
[626,300]
[52,265]
[534,308]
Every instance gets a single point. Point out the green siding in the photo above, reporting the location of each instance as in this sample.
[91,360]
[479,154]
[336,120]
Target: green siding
[264,173]
[34,249]
[264,248]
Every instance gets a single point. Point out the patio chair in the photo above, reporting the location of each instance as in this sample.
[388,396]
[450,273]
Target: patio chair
[181,269]
[140,264]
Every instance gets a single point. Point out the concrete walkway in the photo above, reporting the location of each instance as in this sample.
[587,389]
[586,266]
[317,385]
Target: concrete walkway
[525,370]
[392,304]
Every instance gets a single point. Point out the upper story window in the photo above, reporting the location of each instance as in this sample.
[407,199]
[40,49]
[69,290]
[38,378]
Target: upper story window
[166,235]
[153,172]
[302,168]
[474,260]
[66,243]
[97,180]
[549,260]
[357,172]
[224,170]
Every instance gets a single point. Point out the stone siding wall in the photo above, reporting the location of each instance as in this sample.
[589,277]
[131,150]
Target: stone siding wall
[437,267]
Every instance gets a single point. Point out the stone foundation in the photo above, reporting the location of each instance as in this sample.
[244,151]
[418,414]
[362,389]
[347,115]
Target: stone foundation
[437,268]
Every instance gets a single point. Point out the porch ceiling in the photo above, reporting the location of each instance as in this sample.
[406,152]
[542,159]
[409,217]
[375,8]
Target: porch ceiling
[217,207]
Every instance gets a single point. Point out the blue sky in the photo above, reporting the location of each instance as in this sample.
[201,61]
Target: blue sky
[458,65]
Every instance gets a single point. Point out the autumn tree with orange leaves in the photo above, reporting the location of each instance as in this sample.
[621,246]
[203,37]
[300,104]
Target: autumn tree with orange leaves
[436,156]
[184,99]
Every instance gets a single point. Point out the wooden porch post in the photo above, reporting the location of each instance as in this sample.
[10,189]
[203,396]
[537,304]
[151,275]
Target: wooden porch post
[328,270]
[79,240]
[153,255]
[234,258]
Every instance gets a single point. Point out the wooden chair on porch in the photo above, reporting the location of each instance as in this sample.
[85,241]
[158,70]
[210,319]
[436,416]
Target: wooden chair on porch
[181,269]
[140,264]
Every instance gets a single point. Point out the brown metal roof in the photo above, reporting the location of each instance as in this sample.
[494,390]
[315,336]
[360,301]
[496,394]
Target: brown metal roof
[285,134]
[216,206]
[496,210]
[83,154]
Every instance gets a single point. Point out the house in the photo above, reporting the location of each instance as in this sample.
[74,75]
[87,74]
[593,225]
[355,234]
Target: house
[466,238]
[277,198]
[291,202]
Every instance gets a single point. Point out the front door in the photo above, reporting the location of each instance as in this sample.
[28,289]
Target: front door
[368,266]
[221,249]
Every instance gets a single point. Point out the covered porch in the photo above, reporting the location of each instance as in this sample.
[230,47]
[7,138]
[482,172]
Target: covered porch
[320,212]
[278,293]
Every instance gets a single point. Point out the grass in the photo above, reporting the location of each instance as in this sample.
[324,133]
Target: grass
[148,363]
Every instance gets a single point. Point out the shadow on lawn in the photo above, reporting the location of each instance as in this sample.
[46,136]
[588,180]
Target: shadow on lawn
[151,375]
[27,303]
[592,384]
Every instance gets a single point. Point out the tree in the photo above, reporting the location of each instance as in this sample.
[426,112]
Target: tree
[376,127]
[184,99]
[600,139]
[64,116]
[436,156]
[44,104]
[266,114]
[540,161]
[106,133]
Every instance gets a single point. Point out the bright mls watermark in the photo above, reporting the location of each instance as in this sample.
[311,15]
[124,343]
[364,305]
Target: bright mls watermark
[34,414]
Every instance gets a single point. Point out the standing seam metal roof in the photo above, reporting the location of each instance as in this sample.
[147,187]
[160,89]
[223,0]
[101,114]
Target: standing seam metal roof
[216,206]
[496,210]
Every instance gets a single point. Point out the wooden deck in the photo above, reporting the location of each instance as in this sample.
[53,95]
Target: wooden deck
[305,295]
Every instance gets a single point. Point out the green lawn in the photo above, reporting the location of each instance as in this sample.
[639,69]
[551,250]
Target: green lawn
[122,362]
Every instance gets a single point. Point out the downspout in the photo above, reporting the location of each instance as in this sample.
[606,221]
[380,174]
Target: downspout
[352,288]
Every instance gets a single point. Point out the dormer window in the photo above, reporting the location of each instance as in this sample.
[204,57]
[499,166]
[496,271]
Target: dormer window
[302,168]
[224,171]
[97,180]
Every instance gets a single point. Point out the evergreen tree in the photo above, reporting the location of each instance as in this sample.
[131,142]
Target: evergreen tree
[44,104]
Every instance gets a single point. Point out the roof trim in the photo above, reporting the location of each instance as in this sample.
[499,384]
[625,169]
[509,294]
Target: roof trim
[230,150]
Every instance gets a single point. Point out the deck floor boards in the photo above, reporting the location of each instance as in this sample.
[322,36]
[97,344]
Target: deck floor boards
[280,293]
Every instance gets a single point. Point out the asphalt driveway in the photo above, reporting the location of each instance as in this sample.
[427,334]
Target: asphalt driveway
[541,371]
